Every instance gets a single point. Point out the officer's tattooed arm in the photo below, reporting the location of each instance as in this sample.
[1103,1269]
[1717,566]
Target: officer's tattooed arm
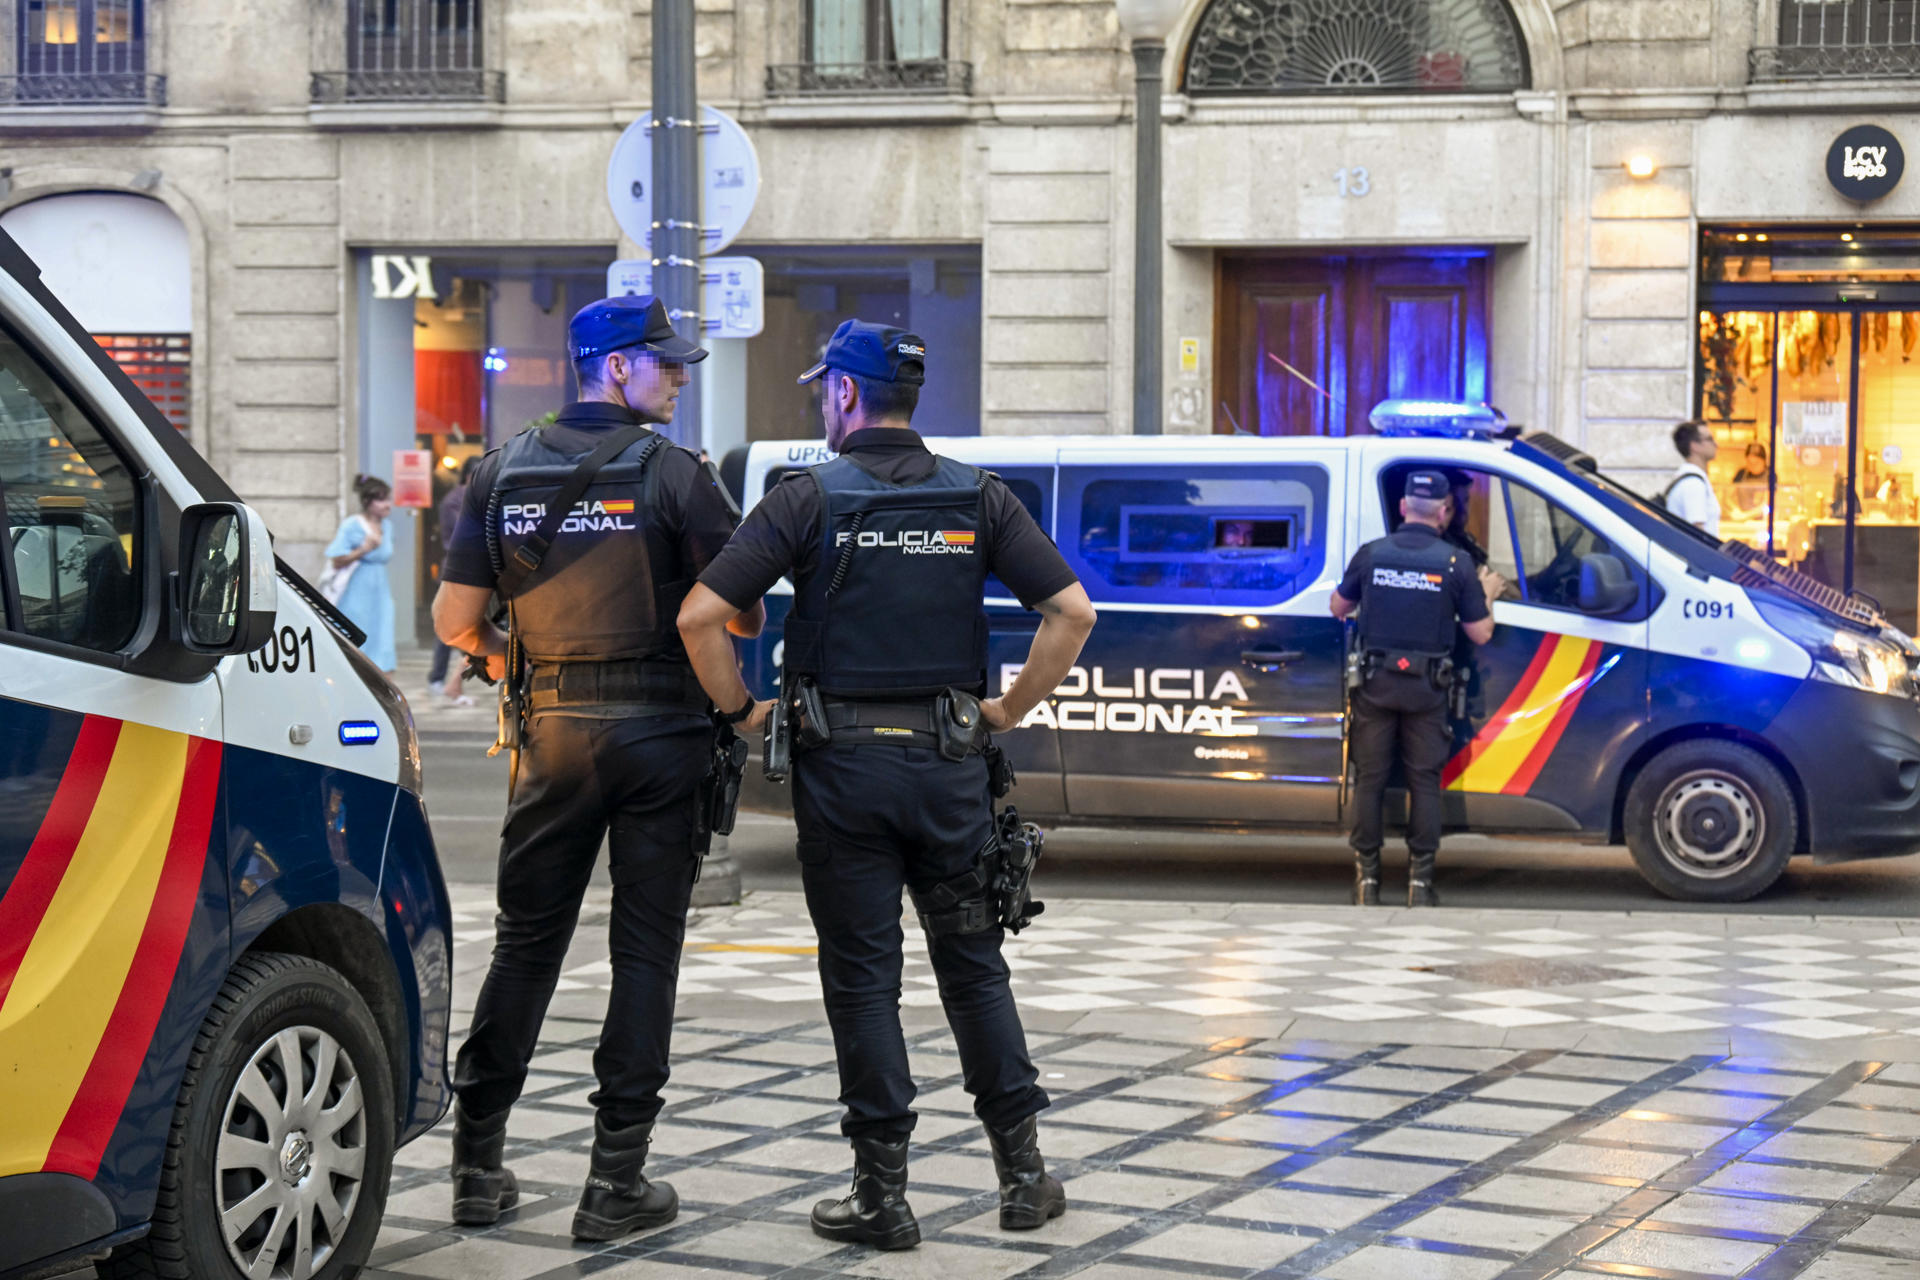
[1066,620]
[460,620]
[704,621]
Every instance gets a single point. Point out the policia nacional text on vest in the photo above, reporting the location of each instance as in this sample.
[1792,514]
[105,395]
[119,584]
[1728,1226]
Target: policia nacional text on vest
[613,739]
[1410,589]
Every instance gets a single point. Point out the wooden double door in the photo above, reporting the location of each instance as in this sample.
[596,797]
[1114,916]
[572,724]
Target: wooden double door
[1308,345]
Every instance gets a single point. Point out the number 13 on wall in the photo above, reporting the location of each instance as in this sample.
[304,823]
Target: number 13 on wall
[1353,182]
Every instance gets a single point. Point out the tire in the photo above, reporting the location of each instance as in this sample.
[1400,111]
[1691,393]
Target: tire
[1709,820]
[240,1135]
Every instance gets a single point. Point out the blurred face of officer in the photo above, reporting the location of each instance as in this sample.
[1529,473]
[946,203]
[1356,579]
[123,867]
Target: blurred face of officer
[646,384]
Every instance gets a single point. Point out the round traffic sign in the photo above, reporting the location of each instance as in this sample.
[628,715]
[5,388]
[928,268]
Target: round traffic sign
[730,170]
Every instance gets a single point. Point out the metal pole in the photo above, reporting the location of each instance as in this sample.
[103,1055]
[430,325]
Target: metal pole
[1147,58]
[676,191]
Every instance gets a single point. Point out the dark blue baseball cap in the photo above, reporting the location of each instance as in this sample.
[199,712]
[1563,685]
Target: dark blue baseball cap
[873,351]
[1429,484]
[636,320]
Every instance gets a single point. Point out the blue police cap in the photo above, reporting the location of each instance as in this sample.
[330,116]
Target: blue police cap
[637,320]
[1429,484]
[873,351]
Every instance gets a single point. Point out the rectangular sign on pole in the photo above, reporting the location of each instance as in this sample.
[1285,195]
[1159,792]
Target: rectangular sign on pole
[412,478]
[732,293]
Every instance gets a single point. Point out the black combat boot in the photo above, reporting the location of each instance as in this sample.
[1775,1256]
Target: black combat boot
[482,1189]
[618,1198]
[1366,879]
[1029,1195]
[1420,892]
[876,1212]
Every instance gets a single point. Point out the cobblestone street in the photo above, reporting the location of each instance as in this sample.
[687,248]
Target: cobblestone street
[1244,1091]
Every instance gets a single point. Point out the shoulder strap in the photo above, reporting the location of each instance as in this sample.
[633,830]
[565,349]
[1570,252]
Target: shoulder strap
[528,555]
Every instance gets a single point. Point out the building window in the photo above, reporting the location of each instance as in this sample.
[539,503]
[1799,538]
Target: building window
[852,46]
[1356,46]
[161,365]
[412,50]
[1842,39]
[82,51]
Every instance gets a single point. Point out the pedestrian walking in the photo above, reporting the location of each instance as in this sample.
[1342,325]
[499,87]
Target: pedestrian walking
[591,529]
[1411,589]
[356,577]
[889,547]
[439,679]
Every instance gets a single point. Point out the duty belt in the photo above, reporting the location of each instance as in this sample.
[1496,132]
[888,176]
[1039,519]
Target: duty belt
[906,724]
[631,687]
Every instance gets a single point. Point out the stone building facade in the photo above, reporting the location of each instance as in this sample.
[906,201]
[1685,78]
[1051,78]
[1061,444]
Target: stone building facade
[975,169]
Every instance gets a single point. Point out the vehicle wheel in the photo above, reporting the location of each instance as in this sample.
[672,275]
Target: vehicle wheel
[1711,821]
[282,1139]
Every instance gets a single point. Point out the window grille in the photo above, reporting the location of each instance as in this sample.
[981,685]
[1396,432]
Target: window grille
[1841,40]
[402,50]
[873,46]
[161,365]
[82,51]
[1355,46]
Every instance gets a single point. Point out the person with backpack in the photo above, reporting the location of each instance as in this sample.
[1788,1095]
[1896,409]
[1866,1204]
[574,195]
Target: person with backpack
[1689,494]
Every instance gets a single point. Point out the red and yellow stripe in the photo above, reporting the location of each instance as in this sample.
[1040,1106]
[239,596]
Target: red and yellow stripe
[1511,748]
[957,537]
[91,931]
[618,506]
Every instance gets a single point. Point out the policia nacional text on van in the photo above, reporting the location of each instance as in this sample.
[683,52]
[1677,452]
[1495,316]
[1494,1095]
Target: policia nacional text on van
[886,652]
[1409,588]
[592,530]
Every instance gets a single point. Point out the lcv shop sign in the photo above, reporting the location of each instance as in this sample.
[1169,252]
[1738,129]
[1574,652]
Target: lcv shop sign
[1865,163]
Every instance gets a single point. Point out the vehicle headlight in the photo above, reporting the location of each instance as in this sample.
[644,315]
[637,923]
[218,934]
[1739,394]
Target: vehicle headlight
[1841,656]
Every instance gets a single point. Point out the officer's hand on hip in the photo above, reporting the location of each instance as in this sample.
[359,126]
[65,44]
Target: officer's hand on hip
[996,714]
[496,666]
[756,721]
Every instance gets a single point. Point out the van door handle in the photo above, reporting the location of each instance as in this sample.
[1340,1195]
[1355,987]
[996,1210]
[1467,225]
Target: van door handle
[1270,659]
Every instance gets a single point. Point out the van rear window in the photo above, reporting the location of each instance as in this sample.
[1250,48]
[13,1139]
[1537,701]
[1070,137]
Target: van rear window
[1240,536]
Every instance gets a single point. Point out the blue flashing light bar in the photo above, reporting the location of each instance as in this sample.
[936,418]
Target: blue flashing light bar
[1455,418]
[359,733]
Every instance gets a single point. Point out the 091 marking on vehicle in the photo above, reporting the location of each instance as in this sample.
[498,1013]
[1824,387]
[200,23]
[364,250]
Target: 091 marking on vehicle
[283,653]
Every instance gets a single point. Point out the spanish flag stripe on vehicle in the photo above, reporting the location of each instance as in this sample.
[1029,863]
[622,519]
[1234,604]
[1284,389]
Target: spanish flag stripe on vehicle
[90,1121]
[1507,742]
[1462,761]
[52,848]
[70,979]
[1537,758]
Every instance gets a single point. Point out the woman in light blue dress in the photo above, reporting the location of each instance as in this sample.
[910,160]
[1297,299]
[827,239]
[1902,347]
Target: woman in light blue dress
[362,543]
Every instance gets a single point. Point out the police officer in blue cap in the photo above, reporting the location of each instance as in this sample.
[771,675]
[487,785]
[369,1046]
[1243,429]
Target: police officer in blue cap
[591,529]
[889,547]
[1411,590]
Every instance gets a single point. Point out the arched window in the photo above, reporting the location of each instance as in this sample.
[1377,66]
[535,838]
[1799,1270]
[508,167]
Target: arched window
[1355,46]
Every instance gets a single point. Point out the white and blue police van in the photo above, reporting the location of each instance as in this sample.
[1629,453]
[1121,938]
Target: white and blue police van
[1646,684]
[225,965]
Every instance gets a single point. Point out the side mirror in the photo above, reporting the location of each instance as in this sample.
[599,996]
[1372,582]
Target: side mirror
[228,594]
[1605,584]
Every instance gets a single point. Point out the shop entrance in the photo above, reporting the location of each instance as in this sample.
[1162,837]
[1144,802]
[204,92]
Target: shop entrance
[1809,375]
[1308,345]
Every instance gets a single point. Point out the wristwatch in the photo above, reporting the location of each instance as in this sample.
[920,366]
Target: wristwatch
[733,718]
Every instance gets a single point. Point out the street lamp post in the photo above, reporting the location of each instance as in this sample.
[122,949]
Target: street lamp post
[1147,22]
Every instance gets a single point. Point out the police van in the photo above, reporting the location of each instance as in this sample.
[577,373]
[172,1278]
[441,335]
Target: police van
[224,947]
[1713,710]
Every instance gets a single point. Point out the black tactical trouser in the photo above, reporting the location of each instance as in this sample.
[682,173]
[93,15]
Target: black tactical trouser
[874,818]
[1403,716]
[582,781]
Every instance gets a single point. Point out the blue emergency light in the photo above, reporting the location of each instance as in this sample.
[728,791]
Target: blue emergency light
[359,733]
[1454,418]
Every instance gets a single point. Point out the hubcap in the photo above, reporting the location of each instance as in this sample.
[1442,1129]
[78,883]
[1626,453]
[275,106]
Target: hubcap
[293,1149]
[1710,825]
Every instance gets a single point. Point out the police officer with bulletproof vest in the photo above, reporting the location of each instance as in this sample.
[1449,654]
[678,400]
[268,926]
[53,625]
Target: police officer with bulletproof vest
[889,547]
[1411,589]
[592,530]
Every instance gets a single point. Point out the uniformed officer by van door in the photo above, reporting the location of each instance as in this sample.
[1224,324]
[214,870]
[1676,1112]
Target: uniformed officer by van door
[618,739]
[1411,589]
[889,547]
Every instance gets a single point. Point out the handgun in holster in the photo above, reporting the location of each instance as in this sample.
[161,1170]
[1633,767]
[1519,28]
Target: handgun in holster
[1020,846]
[720,791]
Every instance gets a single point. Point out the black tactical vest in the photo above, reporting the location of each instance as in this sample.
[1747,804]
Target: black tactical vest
[894,608]
[612,583]
[1409,606]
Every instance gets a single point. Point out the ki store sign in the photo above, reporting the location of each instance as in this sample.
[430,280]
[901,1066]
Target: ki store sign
[730,170]
[1865,163]
[732,293]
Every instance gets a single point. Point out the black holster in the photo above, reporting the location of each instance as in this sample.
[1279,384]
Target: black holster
[959,724]
[776,749]
[720,792]
[996,892]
